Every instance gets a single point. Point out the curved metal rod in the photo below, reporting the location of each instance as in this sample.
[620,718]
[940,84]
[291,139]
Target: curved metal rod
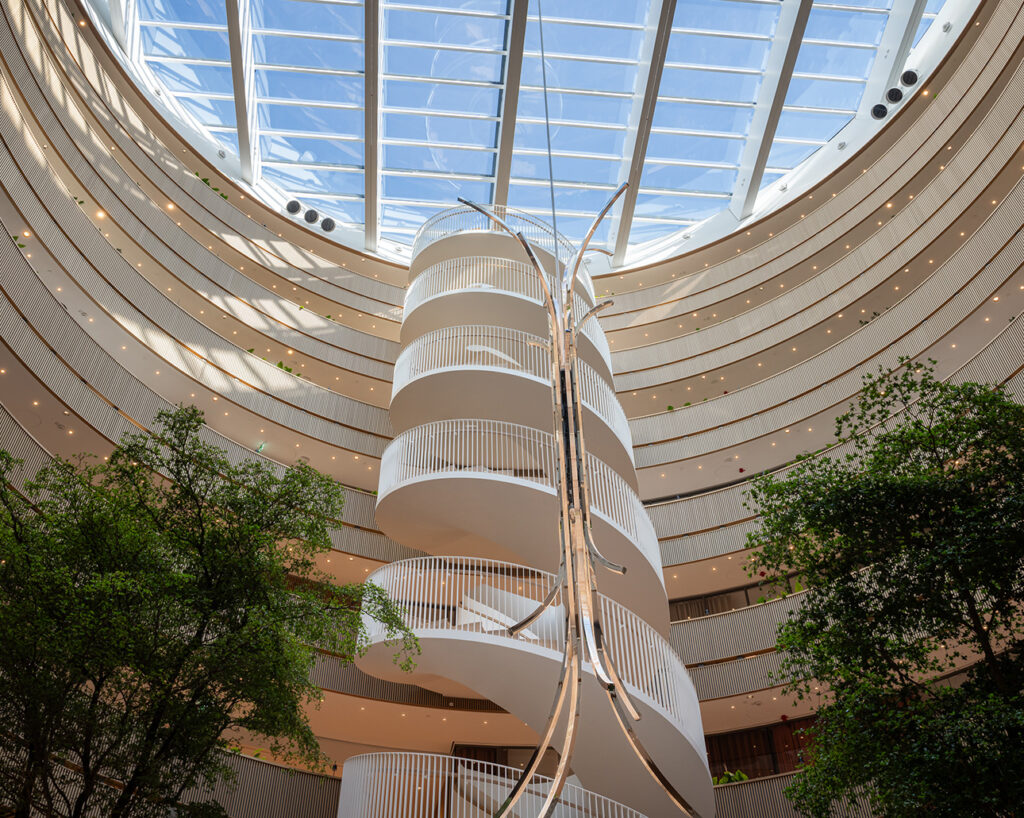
[568,743]
[600,558]
[549,598]
[545,740]
[648,762]
[620,688]
[570,280]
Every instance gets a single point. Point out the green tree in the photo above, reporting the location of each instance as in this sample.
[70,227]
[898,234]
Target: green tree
[911,540]
[153,604]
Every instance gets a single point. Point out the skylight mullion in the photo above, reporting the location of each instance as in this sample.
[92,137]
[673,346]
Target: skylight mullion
[781,60]
[372,97]
[515,48]
[242,78]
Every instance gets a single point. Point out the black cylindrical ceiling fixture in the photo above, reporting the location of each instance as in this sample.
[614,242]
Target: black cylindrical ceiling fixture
[293,207]
[311,216]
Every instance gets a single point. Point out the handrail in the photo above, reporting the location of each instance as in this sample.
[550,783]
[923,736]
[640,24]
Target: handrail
[484,597]
[426,785]
[501,450]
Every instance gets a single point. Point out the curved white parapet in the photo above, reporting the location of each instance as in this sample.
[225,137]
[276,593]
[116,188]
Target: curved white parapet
[499,292]
[460,610]
[504,374]
[487,488]
[495,291]
[462,219]
[425,785]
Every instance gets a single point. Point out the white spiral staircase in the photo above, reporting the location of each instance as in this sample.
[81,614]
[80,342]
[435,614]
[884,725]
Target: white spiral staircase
[470,478]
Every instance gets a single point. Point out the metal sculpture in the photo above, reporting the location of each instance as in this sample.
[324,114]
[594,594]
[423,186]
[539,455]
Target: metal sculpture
[579,556]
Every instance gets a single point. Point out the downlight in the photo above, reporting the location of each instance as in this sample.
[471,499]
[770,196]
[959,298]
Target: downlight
[879,111]
[327,225]
[311,216]
[894,95]
[909,77]
[293,207]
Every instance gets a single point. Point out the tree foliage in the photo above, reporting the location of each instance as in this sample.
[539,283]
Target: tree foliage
[153,603]
[911,540]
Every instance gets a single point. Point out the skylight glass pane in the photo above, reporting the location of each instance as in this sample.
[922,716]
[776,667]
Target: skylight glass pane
[537,197]
[718,52]
[205,44]
[787,155]
[311,119]
[183,78]
[308,52]
[314,180]
[212,12]
[693,116]
[211,110]
[694,178]
[310,87]
[842,25]
[311,151]
[300,15]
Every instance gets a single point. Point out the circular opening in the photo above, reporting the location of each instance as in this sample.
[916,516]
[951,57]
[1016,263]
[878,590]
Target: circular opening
[293,207]
[879,111]
[894,95]
[311,216]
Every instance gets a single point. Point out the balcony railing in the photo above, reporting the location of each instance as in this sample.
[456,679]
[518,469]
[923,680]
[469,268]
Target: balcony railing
[423,785]
[469,595]
[485,347]
[463,219]
[496,449]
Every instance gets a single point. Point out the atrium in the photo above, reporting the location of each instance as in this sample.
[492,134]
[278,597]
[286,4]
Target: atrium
[253,207]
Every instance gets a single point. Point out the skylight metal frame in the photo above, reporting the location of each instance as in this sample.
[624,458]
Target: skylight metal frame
[789,32]
[897,41]
[243,80]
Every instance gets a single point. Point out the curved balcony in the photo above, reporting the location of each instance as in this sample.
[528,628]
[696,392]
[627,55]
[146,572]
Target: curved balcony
[497,292]
[460,610]
[498,373]
[425,785]
[460,220]
[486,487]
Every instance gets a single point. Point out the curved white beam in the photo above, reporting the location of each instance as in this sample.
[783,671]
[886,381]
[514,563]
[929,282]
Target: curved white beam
[659,28]
[516,42]
[789,34]
[243,79]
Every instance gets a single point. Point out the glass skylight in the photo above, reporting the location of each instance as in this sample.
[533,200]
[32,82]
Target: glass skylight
[443,122]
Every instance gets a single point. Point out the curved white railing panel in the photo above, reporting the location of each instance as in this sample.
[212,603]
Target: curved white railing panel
[508,451]
[481,272]
[425,785]
[464,219]
[477,346]
[484,597]
[492,274]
